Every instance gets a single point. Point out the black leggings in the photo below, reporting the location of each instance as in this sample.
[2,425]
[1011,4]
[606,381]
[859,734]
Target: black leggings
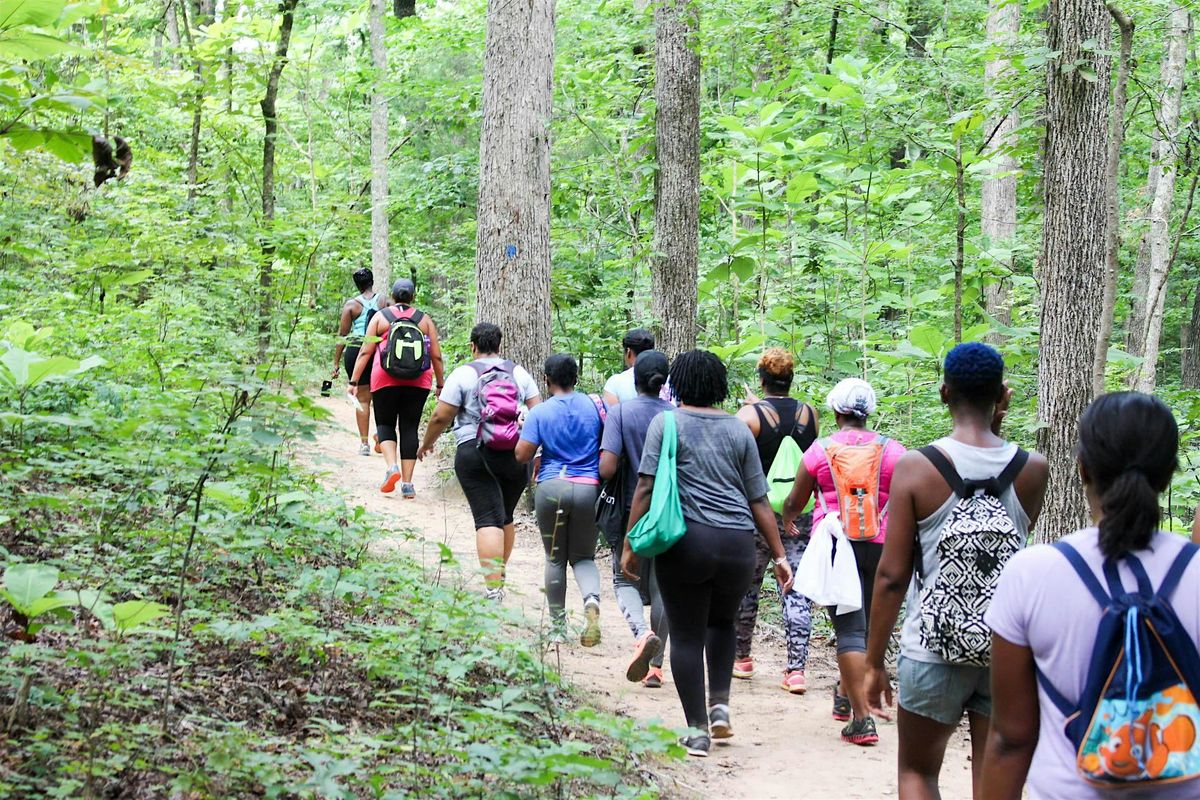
[400,407]
[492,480]
[851,628]
[703,579]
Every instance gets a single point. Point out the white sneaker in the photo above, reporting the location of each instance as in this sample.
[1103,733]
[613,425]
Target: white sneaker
[591,631]
[364,449]
[495,594]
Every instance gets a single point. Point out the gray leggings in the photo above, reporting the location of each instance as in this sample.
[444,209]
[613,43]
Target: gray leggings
[566,516]
[630,600]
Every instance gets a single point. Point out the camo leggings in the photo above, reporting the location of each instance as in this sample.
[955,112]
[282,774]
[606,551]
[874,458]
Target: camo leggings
[797,609]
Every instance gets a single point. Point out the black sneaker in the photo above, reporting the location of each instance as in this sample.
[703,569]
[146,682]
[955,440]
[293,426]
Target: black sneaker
[861,732]
[718,722]
[841,706]
[697,745]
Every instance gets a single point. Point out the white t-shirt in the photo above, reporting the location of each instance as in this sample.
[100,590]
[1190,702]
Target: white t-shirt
[622,386]
[460,391]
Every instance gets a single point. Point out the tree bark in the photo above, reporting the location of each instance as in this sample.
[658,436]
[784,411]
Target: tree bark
[1174,60]
[512,257]
[380,257]
[404,8]
[287,13]
[999,196]
[171,13]
[202,14]
[1189,367]
[1112,200]
[1072,257]
[677,190]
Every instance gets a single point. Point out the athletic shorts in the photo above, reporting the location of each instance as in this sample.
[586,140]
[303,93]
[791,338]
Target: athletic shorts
[349,356]
[492,481]
[942,692]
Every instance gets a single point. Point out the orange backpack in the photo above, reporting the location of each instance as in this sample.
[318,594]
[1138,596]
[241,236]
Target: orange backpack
[857,470]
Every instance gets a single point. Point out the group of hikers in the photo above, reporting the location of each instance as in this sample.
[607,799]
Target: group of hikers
[1075,664]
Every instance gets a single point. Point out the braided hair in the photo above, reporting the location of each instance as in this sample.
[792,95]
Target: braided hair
[698,378]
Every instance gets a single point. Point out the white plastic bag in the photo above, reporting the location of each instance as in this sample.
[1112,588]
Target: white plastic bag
[827,575]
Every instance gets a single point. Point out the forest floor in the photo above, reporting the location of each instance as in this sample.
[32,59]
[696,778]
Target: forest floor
[785,746]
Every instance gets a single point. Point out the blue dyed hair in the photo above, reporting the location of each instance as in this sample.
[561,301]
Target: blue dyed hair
[974,374]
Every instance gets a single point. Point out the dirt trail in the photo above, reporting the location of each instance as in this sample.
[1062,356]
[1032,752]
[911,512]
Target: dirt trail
[785,746]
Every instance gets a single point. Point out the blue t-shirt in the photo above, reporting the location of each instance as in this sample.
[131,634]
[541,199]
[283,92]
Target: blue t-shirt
[567,427]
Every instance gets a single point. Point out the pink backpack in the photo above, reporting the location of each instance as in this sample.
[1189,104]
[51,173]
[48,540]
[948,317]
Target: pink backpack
[499,405]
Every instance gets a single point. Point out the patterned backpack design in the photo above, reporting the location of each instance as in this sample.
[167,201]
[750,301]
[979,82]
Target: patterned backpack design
[974,544]
[499,405]
[857,471]
[1135,722]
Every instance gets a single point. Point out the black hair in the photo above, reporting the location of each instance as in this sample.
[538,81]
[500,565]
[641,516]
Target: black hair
[364,279]
[638,340]
[562,371]
[1128,446]
[698,378]
[650,372]
[974,375]
[404,290]
[486,337]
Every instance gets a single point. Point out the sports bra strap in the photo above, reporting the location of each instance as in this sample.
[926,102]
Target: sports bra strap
[942,464]
[1175,573]
[1084,572]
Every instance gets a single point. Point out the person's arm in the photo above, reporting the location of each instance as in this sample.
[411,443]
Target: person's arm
[435,355]
[443,415]
[344,324]
[527,445]
[891,580]
[797,499]
[525,451]
[1196,527]
[641,504]
[370,342]
[609,464]
[1013,735]
[610,399]
[748,415]
[612,445]
[764,519]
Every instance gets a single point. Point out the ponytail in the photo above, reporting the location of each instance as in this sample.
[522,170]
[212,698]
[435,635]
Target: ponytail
[656,382]
[1128,447]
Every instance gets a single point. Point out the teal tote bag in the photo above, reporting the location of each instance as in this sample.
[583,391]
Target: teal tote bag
[662,526]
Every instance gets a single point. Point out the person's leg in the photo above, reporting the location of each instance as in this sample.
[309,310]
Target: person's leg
[735,569]
[866,557]
[362,414]
[387,409]
[548,503]
[512,478]
[487,507]
[931,702]
[659,622]
[410,407]
[629,599]
[747,615]
[581,539]
[922,747]
[851,630]
[797,609]
[684,576]
[980,725]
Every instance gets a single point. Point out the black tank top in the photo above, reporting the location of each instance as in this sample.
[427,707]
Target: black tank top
[769,438]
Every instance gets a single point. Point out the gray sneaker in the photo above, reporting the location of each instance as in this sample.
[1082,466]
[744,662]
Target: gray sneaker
[495,594]
[408,491]
[364,449]
[718,722]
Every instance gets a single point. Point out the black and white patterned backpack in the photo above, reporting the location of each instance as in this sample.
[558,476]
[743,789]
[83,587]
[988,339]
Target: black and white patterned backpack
[974,544]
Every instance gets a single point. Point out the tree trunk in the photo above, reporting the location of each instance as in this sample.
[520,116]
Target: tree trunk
[1164,195]
[677,190]
[960,240]
[1189,368]
[380,259]
[202,14]
[999,197]
[404,8]
[1112,201]
[512,257]
[171,13]
[1072,257]
[287,13]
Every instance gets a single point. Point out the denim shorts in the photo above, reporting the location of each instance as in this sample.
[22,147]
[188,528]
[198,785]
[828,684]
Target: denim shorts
[942,692]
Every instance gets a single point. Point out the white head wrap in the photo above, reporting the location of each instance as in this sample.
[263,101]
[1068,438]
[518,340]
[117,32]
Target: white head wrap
[852,397]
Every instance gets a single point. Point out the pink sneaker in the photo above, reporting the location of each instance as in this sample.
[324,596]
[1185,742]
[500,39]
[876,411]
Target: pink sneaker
[794,682]
[743,668]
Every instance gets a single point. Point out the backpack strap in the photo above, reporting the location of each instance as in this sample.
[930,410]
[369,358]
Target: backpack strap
[1006,478]
[1116,587]
[389,315]
[1084,572]
[1065,706]
[1175,573]
[942,464]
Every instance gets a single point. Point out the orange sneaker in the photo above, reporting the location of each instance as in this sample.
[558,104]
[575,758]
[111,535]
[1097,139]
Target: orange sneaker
[390,481]
[646,648]
[743,668]
[654,678]
[793,682]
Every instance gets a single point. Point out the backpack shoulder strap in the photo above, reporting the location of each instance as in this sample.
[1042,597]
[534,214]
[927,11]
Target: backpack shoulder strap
[416,316]
[948,472]
[1175,573]
[1065,707]
[1084,572]
[1006,478]
[389,315]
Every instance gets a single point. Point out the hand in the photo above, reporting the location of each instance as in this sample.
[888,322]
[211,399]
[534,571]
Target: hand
[1001,409]
[879,691]
[629,563]
[425,450]
[437,392]
[337,370]
[751,397]
[790,529]
[783,576]
[352,392]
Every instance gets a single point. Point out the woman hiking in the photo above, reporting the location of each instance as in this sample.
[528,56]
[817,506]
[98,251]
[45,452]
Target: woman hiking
[774,418]
[399,402]
[705,574]
[567,428]
[621,449]
[357,312]
[1047,626]
[484,462]
[856,455]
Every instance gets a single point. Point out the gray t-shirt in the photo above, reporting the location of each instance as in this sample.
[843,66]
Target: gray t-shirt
[971,463]
[625,435]
[719,471]
[460,391]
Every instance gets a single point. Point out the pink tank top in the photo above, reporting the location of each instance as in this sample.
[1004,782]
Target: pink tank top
[380,379]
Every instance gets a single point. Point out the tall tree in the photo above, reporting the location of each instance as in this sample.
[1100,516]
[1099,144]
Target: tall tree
[202,14]
[1158,237]
[999,200]
[404,8]
[287,17]
[1072,258]
[512,259]
[1112,200]
[380,257]
[677,190]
